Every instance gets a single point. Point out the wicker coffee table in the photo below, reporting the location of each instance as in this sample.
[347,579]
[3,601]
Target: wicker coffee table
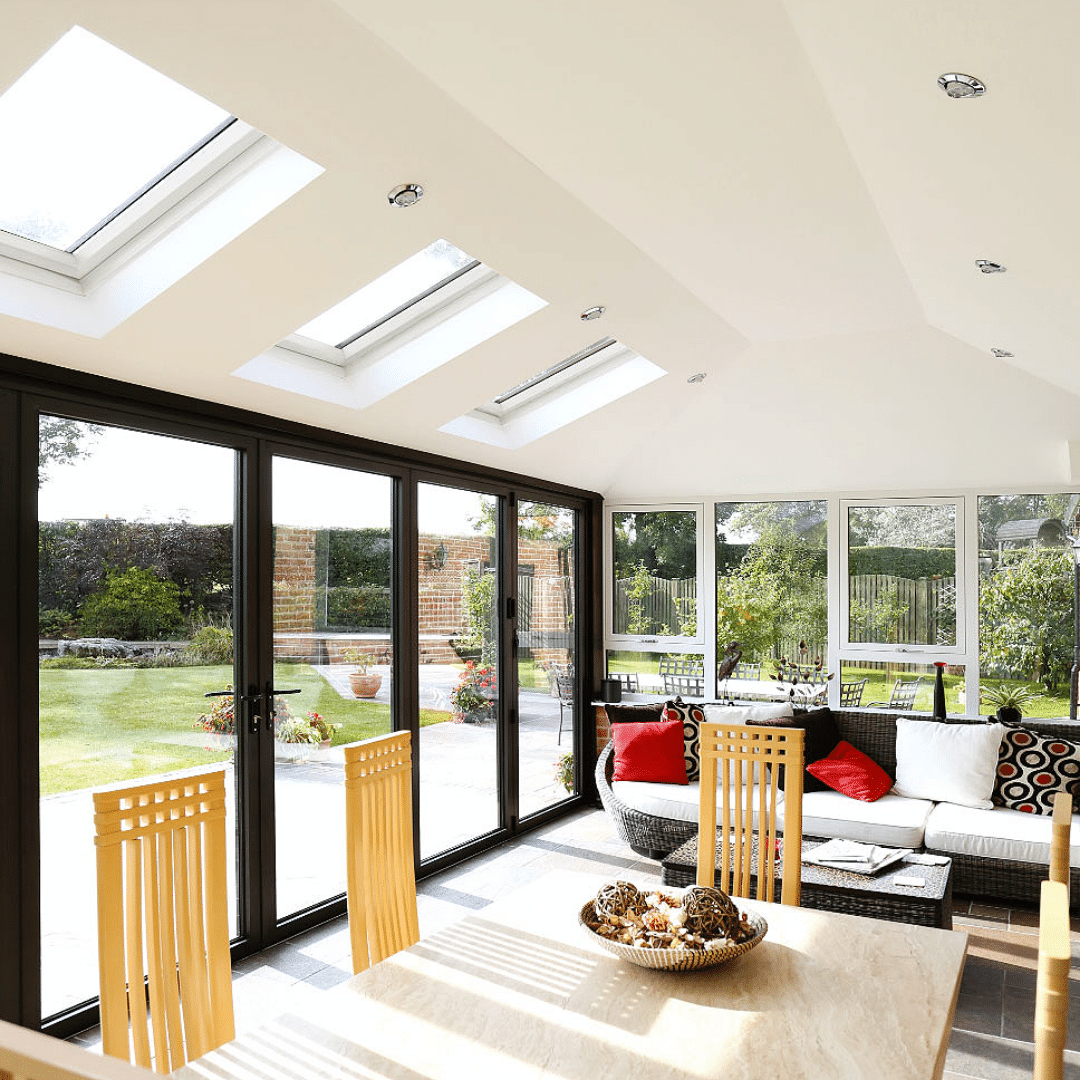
[874,895]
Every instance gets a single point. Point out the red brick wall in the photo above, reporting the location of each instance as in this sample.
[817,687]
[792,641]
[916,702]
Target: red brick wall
[441,613]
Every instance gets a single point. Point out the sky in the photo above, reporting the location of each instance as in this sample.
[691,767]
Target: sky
[136,476]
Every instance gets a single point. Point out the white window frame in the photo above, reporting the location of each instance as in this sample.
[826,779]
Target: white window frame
[222,189]
[415,341]
[852,650]
[649,643]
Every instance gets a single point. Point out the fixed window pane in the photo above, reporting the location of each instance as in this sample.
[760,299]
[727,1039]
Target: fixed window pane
[135,594]
[547,678]
[899,687]
[1026,593]
[85,130]
[332,565]
[655,568]
[654,674]
[771,588]
[397,288]
[902,574]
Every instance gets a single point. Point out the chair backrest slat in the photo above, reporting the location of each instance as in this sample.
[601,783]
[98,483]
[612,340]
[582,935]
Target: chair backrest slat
[1061,838]
[163,928]
[1052,982]
[739,766]
[381,884]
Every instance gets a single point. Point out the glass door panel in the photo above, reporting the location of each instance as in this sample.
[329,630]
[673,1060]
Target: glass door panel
[135,592]
[546,675]
[332,584]
[459,666]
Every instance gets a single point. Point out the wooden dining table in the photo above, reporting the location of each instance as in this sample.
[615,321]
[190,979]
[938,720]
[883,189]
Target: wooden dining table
[520,989]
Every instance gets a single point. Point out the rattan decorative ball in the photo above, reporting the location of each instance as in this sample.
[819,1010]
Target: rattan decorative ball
[710,912]
[618,898]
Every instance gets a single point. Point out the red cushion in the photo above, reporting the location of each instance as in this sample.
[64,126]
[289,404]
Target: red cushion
[852,773]
[650,752]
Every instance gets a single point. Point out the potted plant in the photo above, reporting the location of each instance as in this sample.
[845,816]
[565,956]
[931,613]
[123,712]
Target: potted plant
[295,739]
[473,698]
[323,728]
[564,772]
[1009,700]
[364,684]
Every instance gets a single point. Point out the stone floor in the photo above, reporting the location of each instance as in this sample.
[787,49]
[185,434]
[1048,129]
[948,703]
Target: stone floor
[991,1037]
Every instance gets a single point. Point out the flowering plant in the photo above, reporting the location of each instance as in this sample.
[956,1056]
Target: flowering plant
[475,691]
[221,719]
[320,726]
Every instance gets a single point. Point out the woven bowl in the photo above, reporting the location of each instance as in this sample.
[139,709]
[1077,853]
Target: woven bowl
[674,959]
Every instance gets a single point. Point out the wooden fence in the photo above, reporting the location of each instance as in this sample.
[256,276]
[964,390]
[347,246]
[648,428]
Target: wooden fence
[658,608]
[903,611]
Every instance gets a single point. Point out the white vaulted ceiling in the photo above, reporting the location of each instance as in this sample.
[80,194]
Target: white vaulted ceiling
[777,194]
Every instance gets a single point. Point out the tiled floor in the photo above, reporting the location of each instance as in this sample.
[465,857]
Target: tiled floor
[991,1037]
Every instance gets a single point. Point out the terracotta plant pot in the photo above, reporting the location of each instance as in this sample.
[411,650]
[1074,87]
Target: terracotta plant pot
[364,686]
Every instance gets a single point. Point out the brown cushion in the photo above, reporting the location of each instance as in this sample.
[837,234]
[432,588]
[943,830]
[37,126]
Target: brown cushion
[822,737]
[634,714]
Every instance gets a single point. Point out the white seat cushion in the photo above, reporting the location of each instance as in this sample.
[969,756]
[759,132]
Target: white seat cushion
[995,834]
[676,801]
[891,820]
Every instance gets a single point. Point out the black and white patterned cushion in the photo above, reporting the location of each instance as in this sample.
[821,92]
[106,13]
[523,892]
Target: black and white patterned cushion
[1032,768]
[691,717]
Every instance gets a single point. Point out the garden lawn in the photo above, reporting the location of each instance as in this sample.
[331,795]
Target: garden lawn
[105,725]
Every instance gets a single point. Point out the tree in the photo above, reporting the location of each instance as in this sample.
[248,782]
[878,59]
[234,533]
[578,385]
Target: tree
[664,541]
[60,442]
[776,595]
[1025,613]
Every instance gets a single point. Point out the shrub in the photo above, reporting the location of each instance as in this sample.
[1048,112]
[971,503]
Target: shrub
[211,645]
[53,623]
[134,605]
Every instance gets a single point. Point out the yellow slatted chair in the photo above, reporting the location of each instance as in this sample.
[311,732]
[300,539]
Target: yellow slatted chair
[1060,838]
[379,837]
[163,915]
[746,758]
[1052,982]
[29,1055]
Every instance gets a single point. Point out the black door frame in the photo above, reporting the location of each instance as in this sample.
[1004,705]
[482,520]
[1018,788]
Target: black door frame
[27,387]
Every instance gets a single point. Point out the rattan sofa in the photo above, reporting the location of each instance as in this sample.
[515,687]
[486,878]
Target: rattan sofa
[875,734]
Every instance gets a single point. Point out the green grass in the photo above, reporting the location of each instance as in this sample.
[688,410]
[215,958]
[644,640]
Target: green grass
[105,725]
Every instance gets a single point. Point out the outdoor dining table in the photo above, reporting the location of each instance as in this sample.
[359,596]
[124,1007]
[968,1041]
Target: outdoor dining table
[519,989]
[770,690]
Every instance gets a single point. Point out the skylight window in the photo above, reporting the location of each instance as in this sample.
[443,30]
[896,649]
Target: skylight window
[117,181]
[407,283]
[574,387]
[86,131]
[434,306]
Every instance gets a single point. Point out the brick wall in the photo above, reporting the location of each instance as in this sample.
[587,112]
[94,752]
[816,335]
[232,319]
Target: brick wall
[441,562]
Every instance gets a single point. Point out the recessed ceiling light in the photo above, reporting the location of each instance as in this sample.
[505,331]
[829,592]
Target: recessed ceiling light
[988,267]
[961,86]
[405,195]
[1001,352]
[593,313]
[698,378]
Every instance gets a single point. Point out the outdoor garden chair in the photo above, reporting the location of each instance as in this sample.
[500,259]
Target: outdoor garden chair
[161,878]
[902,696]
[564,687]
[851,693]
[381,875]
[746,759]
[690,685]
[746,670]
[629,680]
